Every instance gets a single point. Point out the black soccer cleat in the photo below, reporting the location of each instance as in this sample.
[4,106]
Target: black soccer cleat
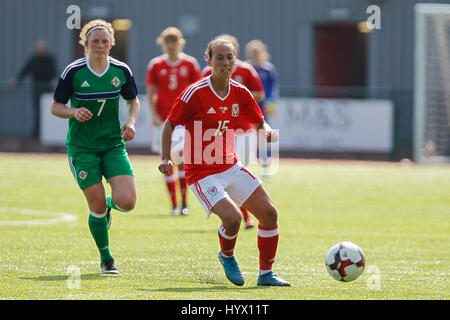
[109,267]
[109,217]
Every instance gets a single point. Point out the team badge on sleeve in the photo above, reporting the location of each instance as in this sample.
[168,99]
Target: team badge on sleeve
[235,110]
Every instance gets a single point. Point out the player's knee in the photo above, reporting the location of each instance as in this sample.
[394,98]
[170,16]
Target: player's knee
[233,222]
[270,216]
[237,221]
[98,206]
[126,202]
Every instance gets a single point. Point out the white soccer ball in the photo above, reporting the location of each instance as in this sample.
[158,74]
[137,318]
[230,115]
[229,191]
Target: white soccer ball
[345,261]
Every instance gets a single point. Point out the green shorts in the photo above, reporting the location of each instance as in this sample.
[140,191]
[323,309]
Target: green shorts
[88,167]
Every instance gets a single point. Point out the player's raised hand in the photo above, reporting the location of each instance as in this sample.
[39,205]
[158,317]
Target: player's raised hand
[82,114]
[166,167]
[128,131]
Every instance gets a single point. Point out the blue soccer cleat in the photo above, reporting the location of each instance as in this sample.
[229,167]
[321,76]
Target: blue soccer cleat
[231,269]
[271,279]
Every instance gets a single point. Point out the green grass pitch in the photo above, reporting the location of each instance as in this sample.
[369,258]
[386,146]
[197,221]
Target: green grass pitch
[398,214]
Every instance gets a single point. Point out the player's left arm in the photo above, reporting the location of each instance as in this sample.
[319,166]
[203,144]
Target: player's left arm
[255,85]
[129,92]
[259,95]
[128,128]
[265,130]
[166,165]
[275,87]
[196,73]
[253,114]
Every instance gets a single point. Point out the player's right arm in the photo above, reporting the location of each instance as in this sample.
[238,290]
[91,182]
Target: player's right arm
[255,85]
[166,165]
[177,116]
[151,97]
[61,97]
[151,81]
[258,95]
[61,110]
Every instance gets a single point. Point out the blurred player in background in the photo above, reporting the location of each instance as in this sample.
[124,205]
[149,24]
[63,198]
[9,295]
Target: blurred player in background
[167,76]
[258,56]
[210,109]
[96,139]
[245,139]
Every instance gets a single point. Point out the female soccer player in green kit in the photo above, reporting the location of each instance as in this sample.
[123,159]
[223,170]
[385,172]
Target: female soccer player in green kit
[95,139]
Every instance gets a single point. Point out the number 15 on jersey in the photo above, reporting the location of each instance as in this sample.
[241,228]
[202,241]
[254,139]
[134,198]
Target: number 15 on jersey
[222,127]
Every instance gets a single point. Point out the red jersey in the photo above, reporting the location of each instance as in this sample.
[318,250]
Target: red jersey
[171,78]
[245,74]
[208,119]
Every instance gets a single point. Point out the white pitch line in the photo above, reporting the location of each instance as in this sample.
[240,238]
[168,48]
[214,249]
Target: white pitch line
[60,217]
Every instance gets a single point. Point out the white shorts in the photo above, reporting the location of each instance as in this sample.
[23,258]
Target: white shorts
[246,147]
[237,183]
[177,142]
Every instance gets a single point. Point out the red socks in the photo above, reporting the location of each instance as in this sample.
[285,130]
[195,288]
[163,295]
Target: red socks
[171,187]
[182,181]
[227,241]
[267,245]
[244,213]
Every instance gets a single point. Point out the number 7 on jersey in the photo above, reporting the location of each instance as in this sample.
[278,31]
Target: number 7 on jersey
[102,101]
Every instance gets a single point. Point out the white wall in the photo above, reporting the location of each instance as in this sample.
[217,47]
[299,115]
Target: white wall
[305,124]
[334,124]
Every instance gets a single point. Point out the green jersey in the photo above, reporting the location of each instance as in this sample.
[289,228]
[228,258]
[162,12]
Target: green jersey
[100,94]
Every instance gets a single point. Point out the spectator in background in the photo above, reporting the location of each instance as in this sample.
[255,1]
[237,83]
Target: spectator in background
[42,68]
[258,56]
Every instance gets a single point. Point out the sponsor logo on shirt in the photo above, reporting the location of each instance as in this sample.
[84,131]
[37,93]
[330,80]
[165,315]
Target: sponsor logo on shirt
[223,109]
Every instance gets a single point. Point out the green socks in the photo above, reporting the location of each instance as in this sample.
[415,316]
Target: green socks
[110,203]
[98,226]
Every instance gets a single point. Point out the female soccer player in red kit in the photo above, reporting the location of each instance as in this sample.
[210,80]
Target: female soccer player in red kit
[167,76]
[209,109]
[245,139]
